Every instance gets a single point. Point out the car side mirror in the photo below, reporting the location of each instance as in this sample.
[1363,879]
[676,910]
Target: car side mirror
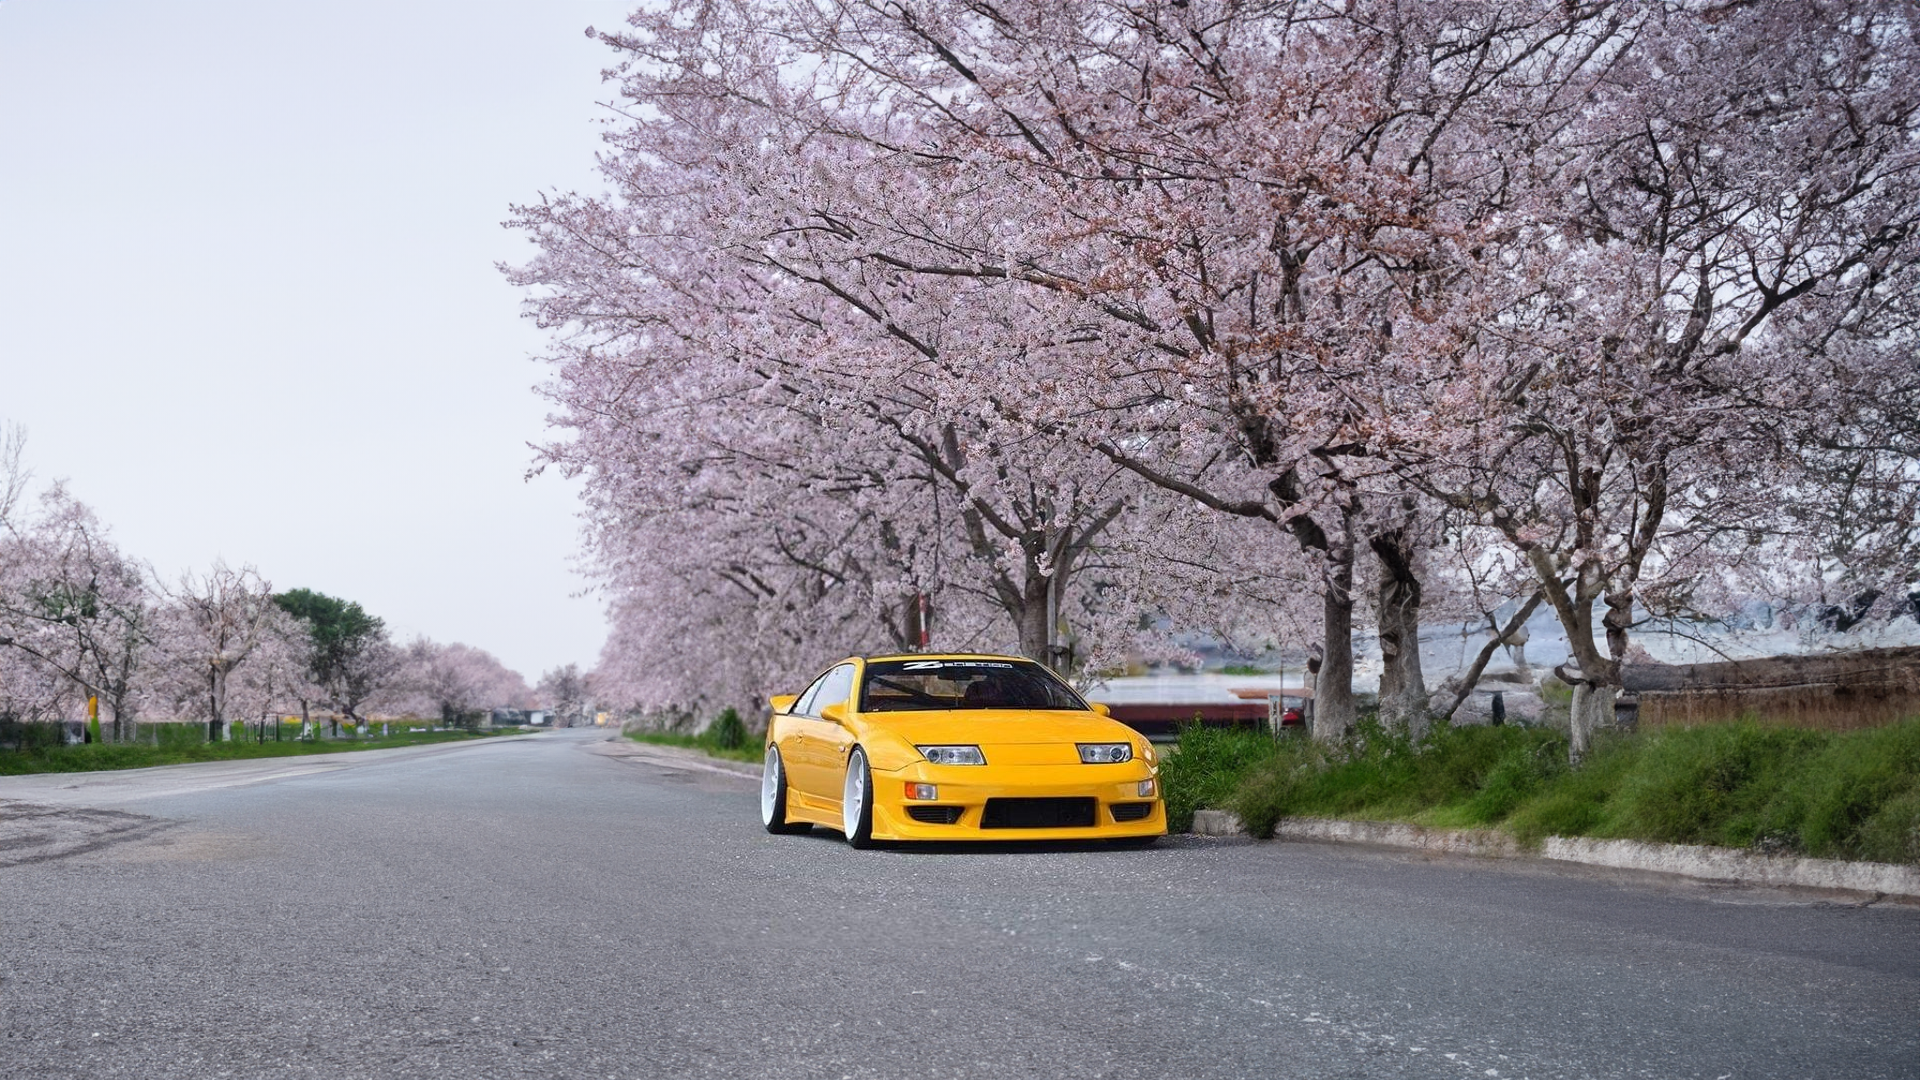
[834,714]
[1101,707]
[782,703]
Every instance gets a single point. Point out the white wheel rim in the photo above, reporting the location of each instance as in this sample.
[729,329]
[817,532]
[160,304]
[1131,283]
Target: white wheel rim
[853,798]
[769,785]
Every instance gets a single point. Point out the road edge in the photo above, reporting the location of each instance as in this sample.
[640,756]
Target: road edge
[1890,880]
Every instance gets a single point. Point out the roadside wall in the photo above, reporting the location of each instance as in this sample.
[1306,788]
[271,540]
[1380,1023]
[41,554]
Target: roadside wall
[1833,692]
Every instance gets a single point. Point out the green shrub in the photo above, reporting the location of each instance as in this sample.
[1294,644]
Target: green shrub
[1853,795]
[1858,797]
[1892,834]
[727,732]
[1455,776]
[30,735]
[177,736]
[1530,759]
[748,750]
[1207,765]
[1709,784]
[1573,801]
[1271,790]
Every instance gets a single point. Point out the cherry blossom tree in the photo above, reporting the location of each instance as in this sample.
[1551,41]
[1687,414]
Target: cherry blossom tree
[757,403]
[74,611]
[277,677]
[457,683]
[711,307]
[1100,231]
[102,603]
[212,626]
[1707,262]
[1602,280]
[565,692]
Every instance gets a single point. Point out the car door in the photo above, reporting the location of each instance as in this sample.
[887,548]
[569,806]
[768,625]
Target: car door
[790,731]
[832,740]
[814,762]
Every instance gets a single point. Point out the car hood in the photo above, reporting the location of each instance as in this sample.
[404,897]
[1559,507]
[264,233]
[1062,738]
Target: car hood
[1003,727]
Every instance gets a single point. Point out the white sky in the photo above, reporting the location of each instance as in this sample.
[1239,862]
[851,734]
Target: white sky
[248,304]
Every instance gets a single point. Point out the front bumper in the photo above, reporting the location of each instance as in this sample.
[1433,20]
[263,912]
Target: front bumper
[1113,789]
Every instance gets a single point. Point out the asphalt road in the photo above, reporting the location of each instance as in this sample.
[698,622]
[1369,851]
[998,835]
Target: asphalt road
[534,908]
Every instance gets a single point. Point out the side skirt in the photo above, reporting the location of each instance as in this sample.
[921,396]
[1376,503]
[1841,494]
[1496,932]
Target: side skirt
[810,809]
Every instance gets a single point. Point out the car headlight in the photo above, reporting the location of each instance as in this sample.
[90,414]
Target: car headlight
[1105,753]
[953,755]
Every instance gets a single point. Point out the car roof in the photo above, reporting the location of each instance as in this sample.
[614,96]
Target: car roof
[950,656]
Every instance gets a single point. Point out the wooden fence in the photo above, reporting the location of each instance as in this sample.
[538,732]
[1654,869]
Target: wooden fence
[1832,691]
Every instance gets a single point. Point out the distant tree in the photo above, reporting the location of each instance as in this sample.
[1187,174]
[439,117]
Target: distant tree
[73,609]
[210,628]
[564,690]
[458,683]
[350,656]
[276,677]
[103,603]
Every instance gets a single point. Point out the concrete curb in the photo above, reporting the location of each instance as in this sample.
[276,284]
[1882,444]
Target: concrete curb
[1217,823]
[1482,842]
[1687,860]
[1732,864]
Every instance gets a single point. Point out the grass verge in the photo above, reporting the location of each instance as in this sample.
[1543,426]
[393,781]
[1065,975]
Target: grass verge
[99,757]
[1844,795]
[750,751]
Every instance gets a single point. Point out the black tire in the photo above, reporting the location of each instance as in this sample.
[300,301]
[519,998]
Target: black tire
[857,824]
[773,796]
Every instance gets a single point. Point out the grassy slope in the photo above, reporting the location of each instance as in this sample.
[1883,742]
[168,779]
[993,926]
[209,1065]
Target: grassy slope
[97,756]
[1853,795]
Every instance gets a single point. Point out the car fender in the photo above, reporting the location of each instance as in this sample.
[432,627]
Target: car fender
[887,752]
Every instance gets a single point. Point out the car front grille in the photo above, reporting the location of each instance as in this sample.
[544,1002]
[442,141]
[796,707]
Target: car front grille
[1037,814]
[1130,811]
[934,815]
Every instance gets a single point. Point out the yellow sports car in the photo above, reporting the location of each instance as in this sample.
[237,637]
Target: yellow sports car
[955,748]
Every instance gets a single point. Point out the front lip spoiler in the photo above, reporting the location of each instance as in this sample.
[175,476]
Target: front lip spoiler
[890,822]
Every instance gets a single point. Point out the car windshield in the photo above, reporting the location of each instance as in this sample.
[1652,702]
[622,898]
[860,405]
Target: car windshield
[909,685]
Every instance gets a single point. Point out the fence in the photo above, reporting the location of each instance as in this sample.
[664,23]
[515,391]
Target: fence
[1833,692]
[44,735]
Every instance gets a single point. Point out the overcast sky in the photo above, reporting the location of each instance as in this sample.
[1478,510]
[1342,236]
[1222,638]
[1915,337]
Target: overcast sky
[248,304]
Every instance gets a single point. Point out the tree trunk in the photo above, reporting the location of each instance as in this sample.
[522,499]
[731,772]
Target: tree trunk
[1403,688]
[1592,710]
[1455,690]
[1333,710]
[1597,681]
[216,724]
[1030,619]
